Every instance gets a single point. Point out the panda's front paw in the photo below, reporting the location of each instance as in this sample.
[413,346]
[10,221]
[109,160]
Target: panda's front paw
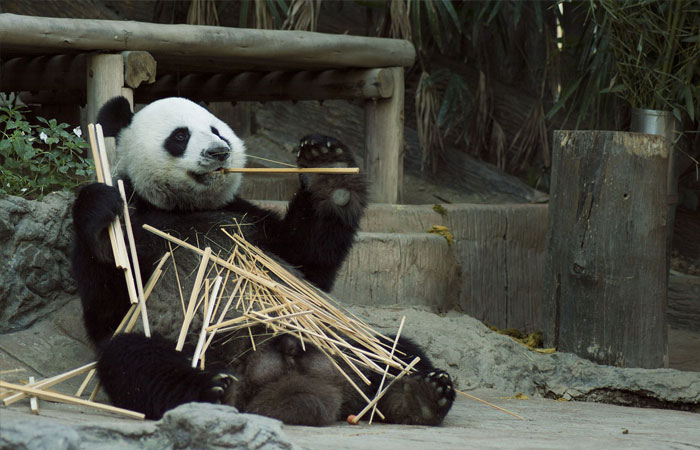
[316,150]
[95,208]
[215,386]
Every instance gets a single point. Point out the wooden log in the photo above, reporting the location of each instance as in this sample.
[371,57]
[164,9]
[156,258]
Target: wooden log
[262,86]
[202,48]
[68,72]
[605,273]
[43,73]
[384,143]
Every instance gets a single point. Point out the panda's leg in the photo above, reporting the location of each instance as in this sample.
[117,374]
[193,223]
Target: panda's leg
[298,399]
[148,375]
[101,285]
[324,215]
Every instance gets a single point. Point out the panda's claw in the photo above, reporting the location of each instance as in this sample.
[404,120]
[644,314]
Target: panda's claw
[323,151]
[215,387]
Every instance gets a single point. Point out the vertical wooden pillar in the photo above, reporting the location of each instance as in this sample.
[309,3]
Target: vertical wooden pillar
[605,274]
[105,79]
[384,143]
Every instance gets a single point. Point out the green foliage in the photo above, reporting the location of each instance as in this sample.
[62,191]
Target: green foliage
[38,159]
[266,14]
[657,48]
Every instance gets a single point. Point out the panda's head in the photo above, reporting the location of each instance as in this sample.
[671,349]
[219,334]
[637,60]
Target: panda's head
[172,150]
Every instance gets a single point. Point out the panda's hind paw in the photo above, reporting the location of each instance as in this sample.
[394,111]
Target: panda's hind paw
[215,387]
[441,384]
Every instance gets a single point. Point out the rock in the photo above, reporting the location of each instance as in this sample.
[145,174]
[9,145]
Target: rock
[476,357]
[190,426]
[35,239]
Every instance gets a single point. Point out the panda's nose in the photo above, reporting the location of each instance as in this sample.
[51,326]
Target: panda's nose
[217,153]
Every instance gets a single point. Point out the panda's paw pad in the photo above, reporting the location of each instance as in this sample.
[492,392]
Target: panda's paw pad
[215,387]
[340,197]
[317,150]
[440,383]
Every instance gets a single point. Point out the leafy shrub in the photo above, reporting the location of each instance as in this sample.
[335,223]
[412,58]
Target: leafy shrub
[38,159]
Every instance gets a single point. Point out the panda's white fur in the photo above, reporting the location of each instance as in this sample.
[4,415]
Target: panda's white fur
[167,181]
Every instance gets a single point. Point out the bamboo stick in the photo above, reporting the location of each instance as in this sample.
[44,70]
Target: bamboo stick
[206,255]
[101,179]
[205,323]
[85,382]
[33,401]
[48,382]
[119,235]
[280,170]
[135,261]
[489,404]
[61,398]
[386,370]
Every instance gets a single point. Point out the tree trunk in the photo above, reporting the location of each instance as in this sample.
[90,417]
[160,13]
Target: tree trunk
[606,278]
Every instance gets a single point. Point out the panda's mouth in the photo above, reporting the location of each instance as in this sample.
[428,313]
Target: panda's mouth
[205,177]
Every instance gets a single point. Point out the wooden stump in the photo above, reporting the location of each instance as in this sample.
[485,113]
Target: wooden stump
[605,276]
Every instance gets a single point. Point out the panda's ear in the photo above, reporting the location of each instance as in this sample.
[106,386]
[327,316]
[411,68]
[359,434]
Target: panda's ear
[115,115]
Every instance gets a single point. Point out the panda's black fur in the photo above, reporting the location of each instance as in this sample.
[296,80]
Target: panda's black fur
[168,155]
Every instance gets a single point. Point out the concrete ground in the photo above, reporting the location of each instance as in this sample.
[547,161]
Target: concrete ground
[548,424]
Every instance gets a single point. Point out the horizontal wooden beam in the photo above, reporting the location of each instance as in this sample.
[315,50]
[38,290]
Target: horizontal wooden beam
[43,73]
[68,72]
[259,86]
[195,47]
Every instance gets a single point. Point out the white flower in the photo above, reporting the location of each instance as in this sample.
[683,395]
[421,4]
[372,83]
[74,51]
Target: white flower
[77,131]
[23,189]
[43,136]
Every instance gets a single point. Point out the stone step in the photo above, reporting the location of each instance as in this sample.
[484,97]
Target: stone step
[400,269]
[493,270]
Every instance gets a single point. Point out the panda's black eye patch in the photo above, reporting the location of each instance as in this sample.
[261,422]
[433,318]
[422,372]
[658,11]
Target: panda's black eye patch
[176,143]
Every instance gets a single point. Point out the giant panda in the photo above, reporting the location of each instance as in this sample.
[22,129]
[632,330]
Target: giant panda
[168,156]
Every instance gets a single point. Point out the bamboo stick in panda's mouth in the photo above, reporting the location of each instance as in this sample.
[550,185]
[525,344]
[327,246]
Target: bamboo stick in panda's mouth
[321,170]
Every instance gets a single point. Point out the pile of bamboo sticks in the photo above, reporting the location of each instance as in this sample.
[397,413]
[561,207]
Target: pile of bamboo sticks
[249,289]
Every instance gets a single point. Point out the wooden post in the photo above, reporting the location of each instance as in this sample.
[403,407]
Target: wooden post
[605,275]
[105,79]
[384,143]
